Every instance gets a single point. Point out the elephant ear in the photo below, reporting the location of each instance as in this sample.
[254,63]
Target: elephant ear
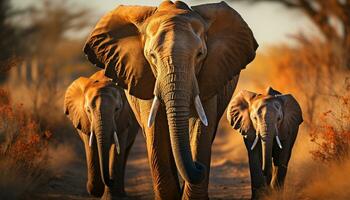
[74,104]
[238,114]
[292,116]
[272,92]
[230,47]
[115,45]
[100,76]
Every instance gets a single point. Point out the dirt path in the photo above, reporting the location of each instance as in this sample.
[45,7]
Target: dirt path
[228,179]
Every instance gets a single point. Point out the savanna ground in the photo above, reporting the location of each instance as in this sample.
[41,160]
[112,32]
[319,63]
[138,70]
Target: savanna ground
[41,156]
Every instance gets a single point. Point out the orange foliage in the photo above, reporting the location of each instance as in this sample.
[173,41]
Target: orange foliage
[23,149]
[333,135]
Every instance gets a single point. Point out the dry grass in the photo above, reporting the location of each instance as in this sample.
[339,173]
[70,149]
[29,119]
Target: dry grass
[34,148]
[23,151]
[332,136]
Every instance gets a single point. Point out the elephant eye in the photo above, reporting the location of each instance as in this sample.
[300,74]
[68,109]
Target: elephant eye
[199,54]
[255,118]
[153,57]
[279,118]
[118,108]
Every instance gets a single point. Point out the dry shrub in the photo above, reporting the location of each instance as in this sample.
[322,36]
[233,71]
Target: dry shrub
[4,97]
[23,151]
[44,102]
[332,137]
[51,148]
[311,72]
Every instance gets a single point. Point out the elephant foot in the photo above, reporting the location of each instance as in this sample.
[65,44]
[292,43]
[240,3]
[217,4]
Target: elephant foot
[260,193]
[195,192]
[95,190]
[113,195]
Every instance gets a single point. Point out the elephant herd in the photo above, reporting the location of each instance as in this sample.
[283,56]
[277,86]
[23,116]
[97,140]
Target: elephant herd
[170,71]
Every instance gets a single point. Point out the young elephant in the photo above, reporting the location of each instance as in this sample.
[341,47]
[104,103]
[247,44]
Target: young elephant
[269,123]
[100,112]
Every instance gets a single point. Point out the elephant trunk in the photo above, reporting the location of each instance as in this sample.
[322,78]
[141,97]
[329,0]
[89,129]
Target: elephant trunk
[266,144]
[177,94]
[104,132]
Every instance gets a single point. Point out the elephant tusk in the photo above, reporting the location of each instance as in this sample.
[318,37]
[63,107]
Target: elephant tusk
[90,139]
[255,142]
[116,141]
[278,139]
[200,110]
[278,142]
[153,113]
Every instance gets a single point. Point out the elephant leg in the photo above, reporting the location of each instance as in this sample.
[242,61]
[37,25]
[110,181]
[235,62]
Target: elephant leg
[281,159]
[274,183]
[258,182]
[118,162]
[160,157]
[117,165]
[94,185]
[279,174]
[279,167]
[276,167]
[201,138]
[163,169]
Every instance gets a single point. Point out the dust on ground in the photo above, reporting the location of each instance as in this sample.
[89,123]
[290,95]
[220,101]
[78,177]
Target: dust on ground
[229,176]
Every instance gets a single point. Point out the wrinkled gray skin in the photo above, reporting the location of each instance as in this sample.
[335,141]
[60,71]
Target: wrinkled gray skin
[97,105]
[266,116]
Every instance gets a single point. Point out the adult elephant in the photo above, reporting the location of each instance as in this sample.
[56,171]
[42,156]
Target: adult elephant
[176,55]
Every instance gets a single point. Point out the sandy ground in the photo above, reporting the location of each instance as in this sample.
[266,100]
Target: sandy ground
[229,177]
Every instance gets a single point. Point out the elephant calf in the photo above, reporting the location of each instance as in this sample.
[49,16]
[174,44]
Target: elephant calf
[100,112]
[269,123]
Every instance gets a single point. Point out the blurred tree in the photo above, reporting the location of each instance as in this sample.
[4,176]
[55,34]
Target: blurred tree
[50,45]
[50,23]
[331,17]
[8,38]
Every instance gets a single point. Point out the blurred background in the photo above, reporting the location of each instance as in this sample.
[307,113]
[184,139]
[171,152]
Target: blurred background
[304,50]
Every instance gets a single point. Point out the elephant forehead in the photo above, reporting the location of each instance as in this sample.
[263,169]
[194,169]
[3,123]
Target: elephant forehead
[98,88]
[177,13]
[272,102]
[259,104]
[168,5]
[266,105]
[174,19]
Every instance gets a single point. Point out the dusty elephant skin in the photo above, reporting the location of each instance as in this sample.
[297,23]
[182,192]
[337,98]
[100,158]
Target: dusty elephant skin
[188,61]
[100,112]
[269,123]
